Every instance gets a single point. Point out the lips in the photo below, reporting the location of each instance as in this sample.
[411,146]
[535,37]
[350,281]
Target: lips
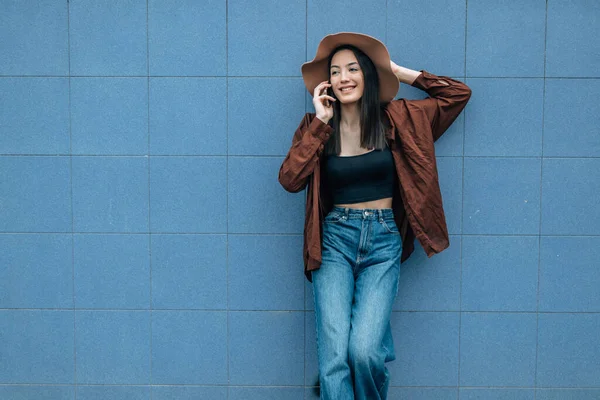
[347,89]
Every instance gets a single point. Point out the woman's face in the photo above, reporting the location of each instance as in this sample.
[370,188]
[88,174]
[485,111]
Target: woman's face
[346,77]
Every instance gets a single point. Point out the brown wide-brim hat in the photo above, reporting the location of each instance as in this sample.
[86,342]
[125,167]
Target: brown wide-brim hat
[315,71]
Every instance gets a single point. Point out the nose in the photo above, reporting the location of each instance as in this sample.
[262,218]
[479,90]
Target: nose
[344,76]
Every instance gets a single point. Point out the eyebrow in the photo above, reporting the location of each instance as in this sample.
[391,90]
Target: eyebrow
[353,62]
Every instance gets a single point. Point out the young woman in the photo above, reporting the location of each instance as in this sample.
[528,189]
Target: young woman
[369,164]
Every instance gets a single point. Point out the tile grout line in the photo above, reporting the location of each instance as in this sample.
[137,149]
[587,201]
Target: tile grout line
[537,318]
[304,395]
[72,213]
[297,77]
[191,385]
[387,11]
[227,349]
[249,310]
[149,193]
[281,156]
[287,234]
[462,208]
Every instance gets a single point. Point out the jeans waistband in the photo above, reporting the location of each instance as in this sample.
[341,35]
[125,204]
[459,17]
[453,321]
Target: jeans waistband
[364,213]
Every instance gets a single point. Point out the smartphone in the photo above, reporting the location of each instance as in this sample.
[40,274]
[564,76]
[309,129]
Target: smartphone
[328,92]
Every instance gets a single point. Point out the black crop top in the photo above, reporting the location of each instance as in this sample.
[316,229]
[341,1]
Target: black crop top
[355,179]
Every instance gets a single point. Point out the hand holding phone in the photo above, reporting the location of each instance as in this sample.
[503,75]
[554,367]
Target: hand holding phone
[322,101]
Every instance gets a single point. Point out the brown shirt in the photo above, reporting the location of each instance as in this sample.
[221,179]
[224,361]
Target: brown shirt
[417,202]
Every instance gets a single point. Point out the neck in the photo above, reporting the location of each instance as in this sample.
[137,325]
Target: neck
[350,117]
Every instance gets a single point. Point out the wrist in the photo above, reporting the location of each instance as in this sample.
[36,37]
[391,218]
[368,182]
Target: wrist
[324,120]
[406,75]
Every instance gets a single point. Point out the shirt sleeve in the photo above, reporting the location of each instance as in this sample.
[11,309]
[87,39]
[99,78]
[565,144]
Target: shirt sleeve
[307,145]
[447,98]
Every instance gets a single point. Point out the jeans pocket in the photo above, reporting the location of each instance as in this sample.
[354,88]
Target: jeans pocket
[390,226]
[334,217]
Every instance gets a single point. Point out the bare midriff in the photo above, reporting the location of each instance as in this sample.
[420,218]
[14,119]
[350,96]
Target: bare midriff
[372,205]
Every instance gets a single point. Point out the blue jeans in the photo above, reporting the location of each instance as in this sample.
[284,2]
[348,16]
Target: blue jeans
[354,292]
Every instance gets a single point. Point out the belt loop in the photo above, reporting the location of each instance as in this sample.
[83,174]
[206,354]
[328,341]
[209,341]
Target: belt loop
[346,212]
[380,212]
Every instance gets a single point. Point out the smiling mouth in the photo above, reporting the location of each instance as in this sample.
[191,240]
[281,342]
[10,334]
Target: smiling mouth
[346,89]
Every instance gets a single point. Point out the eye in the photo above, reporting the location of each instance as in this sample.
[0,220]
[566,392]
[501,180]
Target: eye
[353,69]
[334,73]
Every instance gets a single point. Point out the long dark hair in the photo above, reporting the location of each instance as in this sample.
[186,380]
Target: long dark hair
[372,129]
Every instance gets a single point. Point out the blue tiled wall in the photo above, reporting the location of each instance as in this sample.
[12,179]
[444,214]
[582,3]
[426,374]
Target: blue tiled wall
[147,250]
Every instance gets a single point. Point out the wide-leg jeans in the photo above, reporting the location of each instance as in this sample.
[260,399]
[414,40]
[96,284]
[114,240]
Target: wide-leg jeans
[354,292]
